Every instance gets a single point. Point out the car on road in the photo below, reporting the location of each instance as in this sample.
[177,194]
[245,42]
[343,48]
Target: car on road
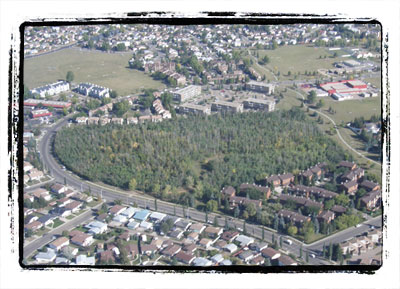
[372,227]
[287,241]
[312,255]
[358,225]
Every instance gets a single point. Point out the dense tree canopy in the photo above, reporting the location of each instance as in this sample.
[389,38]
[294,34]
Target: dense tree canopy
[198,154]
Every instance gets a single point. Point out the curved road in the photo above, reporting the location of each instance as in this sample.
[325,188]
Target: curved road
[110,194]
[337,130]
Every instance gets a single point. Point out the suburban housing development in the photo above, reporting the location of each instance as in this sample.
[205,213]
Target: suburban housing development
[202,145]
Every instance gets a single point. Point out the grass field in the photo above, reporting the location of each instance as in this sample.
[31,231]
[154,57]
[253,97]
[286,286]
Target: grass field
[106,69]
[297,58]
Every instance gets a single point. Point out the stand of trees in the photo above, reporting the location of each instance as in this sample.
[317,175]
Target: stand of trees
[200,154]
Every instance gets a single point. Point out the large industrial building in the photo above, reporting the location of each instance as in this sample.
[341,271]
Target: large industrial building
[261,87]
[259,104]
[190,108]
[186,93]
[225,106]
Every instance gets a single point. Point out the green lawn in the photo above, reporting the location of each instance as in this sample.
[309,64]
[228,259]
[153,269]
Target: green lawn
[297,58]
[57,223]
[106,69]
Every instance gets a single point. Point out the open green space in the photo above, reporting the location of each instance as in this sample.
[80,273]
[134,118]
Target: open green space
[106,69]
[297,58]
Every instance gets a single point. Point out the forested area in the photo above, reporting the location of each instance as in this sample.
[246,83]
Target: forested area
[194,157]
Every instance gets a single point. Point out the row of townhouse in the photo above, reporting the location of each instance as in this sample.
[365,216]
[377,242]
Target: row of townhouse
[93,90]
[362,244]
[159,108]
[118,120]
[51,89]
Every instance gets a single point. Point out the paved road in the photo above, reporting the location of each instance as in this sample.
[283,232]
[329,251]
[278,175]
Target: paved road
[110,194]
[40,242]
[337,130]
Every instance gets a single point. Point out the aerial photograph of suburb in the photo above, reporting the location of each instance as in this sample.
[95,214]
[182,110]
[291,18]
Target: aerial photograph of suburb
[202,145]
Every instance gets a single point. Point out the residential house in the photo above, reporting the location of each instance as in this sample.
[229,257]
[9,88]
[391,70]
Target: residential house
[132,250]
[350,187]
[229,236]
[190,248]
[246,256]
[270,253]
[286,179]
[338,210]
[217,259]
[213,232]
[193,236]
[157,217]
[107,256]
[231,248]
[182,224]
[201,262]
[59,243]
[284,260]
[258,260]
[326,216]
[170,251]
[258,247]
[348,165]
[46,257]
[375,236]
[35,225]
[146,225]
[42,193]
[133,225]
[74,206]
[294,217]
[82,239]
[244,240]
[120,219]
[58,188]
[117,209]
[220,244]
[177,234]
[97,227]
[372,200]
[184,257]
[141,215]
[85,260]
[47,220]
[369,186]
[197,227]
[129,212]
[265,190]
[274,180]
[148,249]
[228,192]
[30,219]
[205,243]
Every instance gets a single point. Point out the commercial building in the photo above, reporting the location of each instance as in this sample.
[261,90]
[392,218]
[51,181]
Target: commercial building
[47,103]
[40,113]
[186,93]
[225,106]
[260,87]
[51,89]
[190,108]
[344,87]
[259,104]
